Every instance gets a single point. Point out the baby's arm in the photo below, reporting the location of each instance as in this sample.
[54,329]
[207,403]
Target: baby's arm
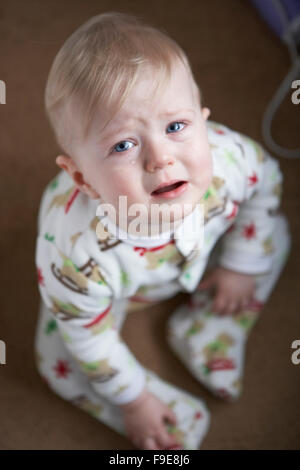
[247,246]
[253,181]
[85,316]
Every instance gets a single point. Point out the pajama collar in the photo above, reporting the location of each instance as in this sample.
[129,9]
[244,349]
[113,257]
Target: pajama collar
[187,235]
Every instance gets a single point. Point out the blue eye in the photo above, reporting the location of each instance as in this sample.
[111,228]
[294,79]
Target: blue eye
[122,146]
[174,125]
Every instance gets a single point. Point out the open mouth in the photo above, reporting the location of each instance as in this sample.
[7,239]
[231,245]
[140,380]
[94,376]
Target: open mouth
[169,188]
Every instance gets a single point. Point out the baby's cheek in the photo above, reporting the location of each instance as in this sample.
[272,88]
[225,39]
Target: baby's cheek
[202,169]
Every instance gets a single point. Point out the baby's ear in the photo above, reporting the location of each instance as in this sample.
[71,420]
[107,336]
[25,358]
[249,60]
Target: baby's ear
[65,163]
[205,113]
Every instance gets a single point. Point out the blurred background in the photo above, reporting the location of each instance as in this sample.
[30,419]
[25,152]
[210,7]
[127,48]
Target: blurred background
[239,63]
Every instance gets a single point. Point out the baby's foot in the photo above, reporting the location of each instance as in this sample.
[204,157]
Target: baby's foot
[212,347]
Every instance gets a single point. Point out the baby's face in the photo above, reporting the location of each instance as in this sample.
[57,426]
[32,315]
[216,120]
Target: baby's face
[150,141]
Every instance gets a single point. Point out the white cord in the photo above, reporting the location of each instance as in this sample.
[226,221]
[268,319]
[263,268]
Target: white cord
[283,89]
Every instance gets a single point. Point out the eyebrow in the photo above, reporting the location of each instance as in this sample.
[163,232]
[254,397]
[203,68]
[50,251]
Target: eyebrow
[166,114]
[171,113]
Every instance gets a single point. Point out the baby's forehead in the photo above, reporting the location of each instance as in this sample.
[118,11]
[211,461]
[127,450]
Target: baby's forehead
[148,94]
[152,94]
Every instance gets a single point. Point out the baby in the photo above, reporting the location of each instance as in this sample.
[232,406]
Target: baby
[128,116]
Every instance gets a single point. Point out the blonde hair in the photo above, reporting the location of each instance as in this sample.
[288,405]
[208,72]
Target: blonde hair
[100,64]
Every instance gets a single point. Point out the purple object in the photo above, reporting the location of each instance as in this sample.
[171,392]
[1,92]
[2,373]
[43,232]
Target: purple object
[283,16]
[271,11]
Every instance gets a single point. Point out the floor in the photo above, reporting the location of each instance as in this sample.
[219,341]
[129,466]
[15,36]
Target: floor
[238,63]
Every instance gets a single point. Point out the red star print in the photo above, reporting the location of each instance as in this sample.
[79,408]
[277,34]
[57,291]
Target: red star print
[249,231]
[219,131]
[253,179]
[143,250]
[198,415]
[220,364]
[233,212]
[40,277]
[98,318]
[71,199]
[62,369]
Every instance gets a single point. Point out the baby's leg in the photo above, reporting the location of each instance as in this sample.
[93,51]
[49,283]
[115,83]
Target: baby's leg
[213,347]
[60,372]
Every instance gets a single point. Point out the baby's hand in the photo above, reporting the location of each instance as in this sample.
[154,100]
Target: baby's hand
[233,290]
[145,424]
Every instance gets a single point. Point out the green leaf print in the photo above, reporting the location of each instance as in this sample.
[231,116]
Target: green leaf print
[50,327]
[91,365]
[69,262]
[124,278]
[205,370]
[69,307]
[53,184]
[66,337]
[48,237]
[229,156]
[246,322]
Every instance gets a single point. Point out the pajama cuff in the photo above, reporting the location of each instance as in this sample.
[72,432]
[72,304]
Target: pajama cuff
[245,264]
[131,391]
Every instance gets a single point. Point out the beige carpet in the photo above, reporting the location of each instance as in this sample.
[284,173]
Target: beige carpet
[238,63]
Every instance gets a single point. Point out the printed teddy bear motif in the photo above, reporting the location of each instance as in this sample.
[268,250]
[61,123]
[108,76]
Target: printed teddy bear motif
[195,328]
[277,190]
[76,278]
[218,349]
[74,238]
[177,433]
[213,203]
[259,151]
[106,241]
[246,318]
[216,355]
[157,255]
[61,200]
[91,270]
[168,253]
[38,358]
[83,402]
[237,384]
[101,323]
[64,311]
[70,276]
[268,245]
[189,260]
[98,371]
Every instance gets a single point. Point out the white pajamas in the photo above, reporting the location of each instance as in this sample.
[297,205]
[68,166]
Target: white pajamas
[88,283]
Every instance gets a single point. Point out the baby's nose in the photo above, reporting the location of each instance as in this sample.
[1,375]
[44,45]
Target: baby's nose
[157,161]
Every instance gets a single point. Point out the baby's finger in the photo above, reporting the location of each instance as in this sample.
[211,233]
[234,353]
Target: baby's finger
[167,441]
[150,444]
[219,305]
[170,416]
[243,304]
[232,307]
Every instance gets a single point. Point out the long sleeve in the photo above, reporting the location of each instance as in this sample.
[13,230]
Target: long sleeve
[84,308]
[247,245]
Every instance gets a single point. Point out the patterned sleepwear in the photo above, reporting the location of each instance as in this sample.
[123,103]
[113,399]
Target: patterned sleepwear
[90,280]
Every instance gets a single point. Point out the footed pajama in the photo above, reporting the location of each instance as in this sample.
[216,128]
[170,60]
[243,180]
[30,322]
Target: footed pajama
[89,279]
